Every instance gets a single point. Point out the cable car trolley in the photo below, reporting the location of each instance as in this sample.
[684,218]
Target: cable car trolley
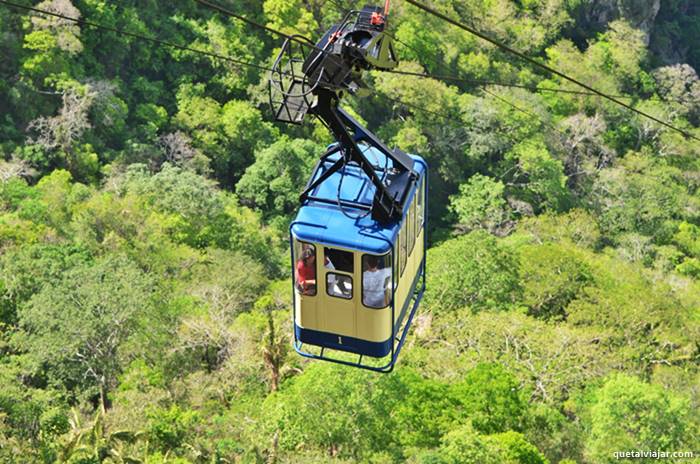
[358,242]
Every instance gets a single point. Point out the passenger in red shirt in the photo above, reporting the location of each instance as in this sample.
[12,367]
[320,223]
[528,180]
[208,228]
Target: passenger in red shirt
[306,272]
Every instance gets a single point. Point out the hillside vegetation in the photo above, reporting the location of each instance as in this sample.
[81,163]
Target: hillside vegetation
[145,195]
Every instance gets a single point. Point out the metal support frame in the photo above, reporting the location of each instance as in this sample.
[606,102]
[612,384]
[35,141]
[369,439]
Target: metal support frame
[388,200]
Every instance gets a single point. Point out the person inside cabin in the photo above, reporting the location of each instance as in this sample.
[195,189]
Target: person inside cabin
[330,267]
[306,272]
[375,283]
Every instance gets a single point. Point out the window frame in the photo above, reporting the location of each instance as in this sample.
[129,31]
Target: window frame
[412,224]
[332,250]
[416,226]
[404,247]
[336,275]
[392,286]
[396,260]
[301,244]
[420,207]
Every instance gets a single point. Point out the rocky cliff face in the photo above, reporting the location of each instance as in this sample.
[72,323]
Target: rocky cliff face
[676,35]
[640,13]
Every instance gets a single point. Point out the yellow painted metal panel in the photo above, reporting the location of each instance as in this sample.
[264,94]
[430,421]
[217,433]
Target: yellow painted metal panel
[373,324]
[306,311]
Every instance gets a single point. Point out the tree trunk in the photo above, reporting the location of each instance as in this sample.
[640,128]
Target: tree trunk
[272,457]
[103,396]
[273,354]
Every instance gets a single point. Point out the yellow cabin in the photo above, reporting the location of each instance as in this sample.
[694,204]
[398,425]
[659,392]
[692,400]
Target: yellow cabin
[357,281]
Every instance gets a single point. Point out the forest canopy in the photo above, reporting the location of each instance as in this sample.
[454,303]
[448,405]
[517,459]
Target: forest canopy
[146,194]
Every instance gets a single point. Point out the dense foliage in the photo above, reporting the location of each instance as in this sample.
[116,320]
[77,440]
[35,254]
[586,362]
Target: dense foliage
[145,195]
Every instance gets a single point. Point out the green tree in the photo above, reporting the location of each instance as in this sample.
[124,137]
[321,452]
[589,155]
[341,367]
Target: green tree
[628,414]
[641,195]
[553,276]
[473,271]
[290,17]
[33,418]
[538,178]
[576,226]
[272,184]
[679,85]
[427,410]
[194,205]
[227,134]
[465,445]
[168,427]
[645,320]
[53,43]
[26,270]
[224,290]
[515,449]
[480,204]
[688,238]
[75,329]
[550,360]
[328,407]
[492,399]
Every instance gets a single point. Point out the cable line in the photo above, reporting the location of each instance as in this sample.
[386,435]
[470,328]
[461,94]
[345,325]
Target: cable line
[440,77]
[136,36]
[545,67]
[507,102]
[373,92]
[181,47]
[199,51]
[422,75]
[294,38]
[532,115]
[469,81]
[227,12]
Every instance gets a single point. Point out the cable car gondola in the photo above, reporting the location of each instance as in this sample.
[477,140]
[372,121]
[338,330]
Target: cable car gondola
[358,242]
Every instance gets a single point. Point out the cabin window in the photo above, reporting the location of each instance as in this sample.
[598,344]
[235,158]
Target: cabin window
[304,268]
[376,281]
[338,260]
[416,219]
[412,225]
[397,253]
[420,207]
[339,285]
[404,250]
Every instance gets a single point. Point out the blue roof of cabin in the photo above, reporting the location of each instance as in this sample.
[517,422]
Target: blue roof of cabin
[325,223]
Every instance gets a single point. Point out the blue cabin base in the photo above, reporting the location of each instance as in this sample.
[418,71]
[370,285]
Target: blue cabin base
[349,344]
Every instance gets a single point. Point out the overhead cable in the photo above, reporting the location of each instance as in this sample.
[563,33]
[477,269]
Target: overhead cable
[545,67]
[449,78]
[177,46]
[135,35]
[531,88]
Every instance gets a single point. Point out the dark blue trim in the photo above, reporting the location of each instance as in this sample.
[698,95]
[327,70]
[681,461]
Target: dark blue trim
[349,344]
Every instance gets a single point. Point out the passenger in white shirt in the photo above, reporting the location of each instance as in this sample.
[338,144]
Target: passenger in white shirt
[375,283]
